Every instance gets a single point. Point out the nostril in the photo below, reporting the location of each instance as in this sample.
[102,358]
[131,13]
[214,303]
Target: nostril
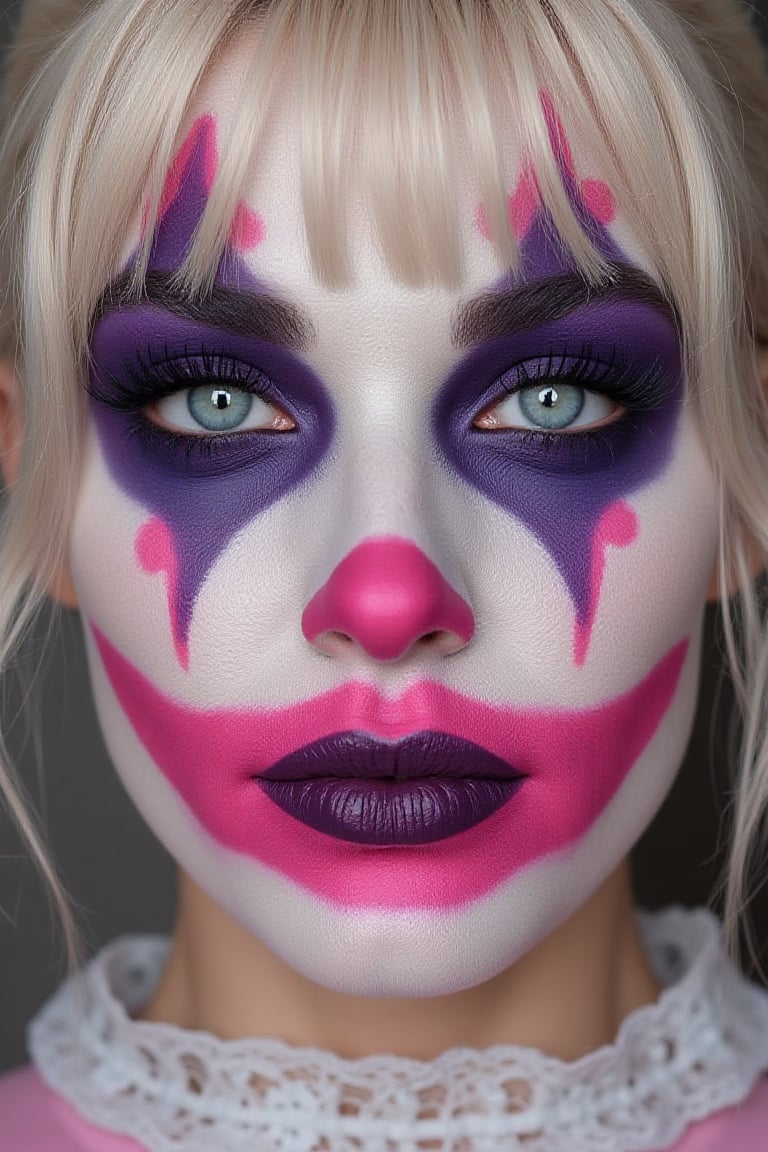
[333,642]
[386,596]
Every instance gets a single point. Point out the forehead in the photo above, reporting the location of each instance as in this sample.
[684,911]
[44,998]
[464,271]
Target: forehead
[281,161]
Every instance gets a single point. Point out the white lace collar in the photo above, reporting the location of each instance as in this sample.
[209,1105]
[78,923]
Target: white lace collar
[701,1047]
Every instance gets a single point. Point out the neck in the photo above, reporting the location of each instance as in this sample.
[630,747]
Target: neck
[565,998]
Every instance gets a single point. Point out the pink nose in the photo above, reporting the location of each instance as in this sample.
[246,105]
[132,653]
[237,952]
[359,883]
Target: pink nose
[386,595]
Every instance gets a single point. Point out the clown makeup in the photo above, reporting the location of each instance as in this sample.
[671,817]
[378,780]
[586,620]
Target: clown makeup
[393,596]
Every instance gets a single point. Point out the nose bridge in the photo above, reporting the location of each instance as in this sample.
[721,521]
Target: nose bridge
[386,479]
[391,581]
[384,489]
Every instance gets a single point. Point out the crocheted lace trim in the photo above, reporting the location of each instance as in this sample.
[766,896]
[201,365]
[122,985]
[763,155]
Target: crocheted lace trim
[701,1047]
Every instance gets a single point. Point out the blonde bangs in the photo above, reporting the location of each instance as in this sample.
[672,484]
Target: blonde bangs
[385,88]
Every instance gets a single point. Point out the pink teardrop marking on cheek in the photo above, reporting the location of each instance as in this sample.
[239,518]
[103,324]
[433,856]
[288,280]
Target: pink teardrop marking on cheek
[617,528]
[156,552]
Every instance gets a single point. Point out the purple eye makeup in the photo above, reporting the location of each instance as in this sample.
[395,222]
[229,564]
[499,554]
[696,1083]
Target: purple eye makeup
[203,488]
[322,541]
[546,331]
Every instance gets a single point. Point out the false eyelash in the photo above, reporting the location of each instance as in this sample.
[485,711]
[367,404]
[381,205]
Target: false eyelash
[617,378]
[145,381]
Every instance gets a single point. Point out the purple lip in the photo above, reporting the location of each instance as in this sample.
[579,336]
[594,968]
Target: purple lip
[422,788]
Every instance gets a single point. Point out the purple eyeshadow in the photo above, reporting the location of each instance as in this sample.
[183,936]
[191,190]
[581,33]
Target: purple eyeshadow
[206,500]
[559,488]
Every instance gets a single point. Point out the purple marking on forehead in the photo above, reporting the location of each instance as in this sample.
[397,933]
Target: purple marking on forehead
[204,502]
[560,491]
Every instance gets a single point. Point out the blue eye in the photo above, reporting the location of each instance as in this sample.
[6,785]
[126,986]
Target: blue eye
[549,408]
[219,408]
[573,393]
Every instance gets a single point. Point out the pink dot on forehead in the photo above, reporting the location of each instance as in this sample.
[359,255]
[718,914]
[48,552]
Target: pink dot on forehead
[599,199]
[247,230]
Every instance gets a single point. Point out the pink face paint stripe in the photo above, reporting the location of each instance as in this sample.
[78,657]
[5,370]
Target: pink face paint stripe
[156,552]
[203,129]
[617,527]
[576,760]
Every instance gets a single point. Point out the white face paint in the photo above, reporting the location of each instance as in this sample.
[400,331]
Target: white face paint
[383,556]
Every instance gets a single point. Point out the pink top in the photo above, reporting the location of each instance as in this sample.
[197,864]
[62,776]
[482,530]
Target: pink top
[35,1119]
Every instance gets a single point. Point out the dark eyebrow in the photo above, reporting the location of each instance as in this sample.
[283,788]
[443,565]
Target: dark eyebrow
[256,315]
[526,306]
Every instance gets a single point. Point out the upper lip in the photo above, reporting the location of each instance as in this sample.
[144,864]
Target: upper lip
[350,754]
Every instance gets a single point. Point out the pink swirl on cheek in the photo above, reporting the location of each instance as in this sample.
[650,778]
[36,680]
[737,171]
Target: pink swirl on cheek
[616,527]
[156,552]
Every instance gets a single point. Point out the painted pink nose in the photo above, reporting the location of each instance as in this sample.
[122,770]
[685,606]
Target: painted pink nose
[386,595]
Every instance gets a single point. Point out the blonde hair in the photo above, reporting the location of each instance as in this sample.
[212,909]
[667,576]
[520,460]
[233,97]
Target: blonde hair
[681,85]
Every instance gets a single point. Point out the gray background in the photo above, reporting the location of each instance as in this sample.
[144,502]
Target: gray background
[123,881]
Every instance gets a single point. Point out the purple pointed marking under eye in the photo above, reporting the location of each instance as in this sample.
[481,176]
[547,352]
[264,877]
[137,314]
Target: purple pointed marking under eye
[560,499]
[196,512]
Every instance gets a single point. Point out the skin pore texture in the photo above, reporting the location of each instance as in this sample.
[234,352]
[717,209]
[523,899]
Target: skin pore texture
[388,552]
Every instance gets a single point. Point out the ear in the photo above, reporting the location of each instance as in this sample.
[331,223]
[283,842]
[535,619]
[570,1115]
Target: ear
[11,442]
[755,554]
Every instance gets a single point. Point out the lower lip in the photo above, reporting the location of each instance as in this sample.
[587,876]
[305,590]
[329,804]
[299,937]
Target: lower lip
[388,812]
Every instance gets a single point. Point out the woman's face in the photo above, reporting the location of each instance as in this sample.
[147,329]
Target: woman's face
[392,596]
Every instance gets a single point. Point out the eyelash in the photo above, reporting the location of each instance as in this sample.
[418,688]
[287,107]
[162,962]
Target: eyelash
[152,380]
[147,380]
[637,391]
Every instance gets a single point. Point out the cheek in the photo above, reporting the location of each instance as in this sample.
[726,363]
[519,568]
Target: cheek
[650,570]
[654,591]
